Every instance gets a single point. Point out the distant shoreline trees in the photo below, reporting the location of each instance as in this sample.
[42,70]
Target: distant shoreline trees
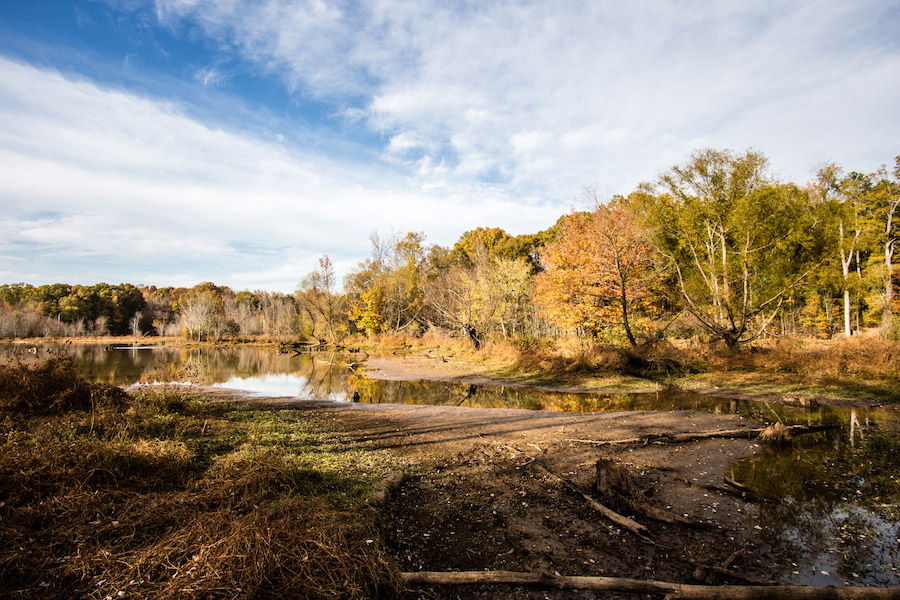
[717,237]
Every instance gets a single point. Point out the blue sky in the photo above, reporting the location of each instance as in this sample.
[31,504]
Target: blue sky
[178,141]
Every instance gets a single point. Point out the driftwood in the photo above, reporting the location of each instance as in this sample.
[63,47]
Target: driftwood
[713,575]
[386,486]
[735,489]
[640,586]
[615,484]
[620,520]
[750,493]
[677,438]
[777,434]
[716,575]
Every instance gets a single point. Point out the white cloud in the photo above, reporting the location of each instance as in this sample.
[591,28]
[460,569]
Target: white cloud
[488,113]
[621,91]
[108,178]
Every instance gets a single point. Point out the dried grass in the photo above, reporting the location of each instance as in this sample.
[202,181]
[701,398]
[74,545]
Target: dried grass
[861,357]
[532,356]
[867,356]
[141,503]
[51,387]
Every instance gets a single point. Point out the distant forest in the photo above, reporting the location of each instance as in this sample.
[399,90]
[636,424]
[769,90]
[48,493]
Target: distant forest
[716,247]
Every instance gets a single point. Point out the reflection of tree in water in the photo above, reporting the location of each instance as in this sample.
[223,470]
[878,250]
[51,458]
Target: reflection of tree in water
[839,521]
[326,377]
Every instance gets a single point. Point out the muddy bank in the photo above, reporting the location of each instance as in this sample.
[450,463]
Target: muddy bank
[475,495]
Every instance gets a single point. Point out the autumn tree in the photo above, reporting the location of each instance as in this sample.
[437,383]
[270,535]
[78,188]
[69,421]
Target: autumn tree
[597,272]
[385,291]
[318,298]
[196,314]
[499,244]
[481,295]
[736,240]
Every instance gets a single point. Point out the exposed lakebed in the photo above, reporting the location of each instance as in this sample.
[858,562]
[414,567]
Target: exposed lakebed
[838,519]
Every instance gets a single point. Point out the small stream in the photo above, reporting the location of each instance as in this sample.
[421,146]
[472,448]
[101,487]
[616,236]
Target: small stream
[839,519]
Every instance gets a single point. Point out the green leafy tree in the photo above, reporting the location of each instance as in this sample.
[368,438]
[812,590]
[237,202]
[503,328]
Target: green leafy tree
[735,239]
[886,206]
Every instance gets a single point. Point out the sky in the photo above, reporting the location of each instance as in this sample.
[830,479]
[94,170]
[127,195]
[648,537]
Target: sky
[236,141]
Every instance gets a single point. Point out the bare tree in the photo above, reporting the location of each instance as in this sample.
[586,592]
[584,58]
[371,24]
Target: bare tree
[318,297]
[135,324]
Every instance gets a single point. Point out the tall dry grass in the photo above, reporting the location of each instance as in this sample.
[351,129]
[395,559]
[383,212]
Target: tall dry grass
[859,357]
[50,387]
[867,356]
[148,497]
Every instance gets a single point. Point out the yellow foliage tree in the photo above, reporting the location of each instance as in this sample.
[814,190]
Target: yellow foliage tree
[597,272]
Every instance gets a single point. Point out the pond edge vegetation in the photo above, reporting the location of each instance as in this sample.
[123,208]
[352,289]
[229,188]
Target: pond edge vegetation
[167,495]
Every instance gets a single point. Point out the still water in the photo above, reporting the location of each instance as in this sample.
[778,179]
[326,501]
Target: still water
[838,521]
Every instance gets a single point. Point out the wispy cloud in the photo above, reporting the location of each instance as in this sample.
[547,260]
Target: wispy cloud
[115,175]
[209,77]
[548,96]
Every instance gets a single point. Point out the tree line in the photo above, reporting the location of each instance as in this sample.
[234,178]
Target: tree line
[716,246]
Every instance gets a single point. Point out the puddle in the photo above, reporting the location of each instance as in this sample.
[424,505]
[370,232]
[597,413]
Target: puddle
[839,519]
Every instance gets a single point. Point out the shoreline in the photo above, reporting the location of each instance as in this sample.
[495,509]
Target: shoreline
[396,368]
[431,364]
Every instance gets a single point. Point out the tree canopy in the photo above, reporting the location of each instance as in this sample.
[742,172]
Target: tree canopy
[717,237]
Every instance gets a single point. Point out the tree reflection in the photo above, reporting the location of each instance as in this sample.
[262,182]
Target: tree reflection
[839,519]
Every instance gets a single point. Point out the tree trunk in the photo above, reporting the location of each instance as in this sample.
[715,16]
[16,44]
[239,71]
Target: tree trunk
[847,331]
[625,322]
[888,318]
[615,485]
[620,520]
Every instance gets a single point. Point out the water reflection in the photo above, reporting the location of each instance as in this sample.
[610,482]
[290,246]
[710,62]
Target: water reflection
[334,376]
[839,521]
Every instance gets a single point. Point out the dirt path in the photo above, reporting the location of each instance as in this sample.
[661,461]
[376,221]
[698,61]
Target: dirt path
[472,498]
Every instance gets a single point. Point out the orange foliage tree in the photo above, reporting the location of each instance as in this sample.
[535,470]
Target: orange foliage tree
[597,272]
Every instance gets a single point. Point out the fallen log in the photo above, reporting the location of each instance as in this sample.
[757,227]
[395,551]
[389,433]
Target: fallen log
[671,591]
[742,492]
[620,520]
[386,486]
[750,493]
[678,438]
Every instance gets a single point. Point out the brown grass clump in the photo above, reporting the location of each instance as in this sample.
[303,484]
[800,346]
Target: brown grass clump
[435,337]
[52,387]
[538,357]
[869,356]
[299,548]
[173,498]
